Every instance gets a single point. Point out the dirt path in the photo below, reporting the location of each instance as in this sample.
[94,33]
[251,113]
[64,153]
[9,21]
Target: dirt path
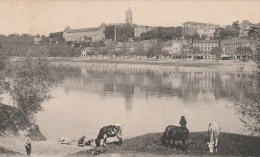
[40,148]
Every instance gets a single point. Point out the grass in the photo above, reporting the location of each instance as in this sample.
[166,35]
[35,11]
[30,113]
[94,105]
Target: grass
[8,152]
[229,145]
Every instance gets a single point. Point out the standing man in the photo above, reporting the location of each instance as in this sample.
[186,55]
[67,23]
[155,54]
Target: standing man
[28,145]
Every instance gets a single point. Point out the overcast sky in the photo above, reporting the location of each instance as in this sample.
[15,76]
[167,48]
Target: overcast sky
[51,16]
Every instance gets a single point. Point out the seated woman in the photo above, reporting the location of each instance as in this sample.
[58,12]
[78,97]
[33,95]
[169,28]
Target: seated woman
[81,141]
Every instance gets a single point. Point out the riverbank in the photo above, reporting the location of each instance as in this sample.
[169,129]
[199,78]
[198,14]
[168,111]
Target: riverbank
[145,145]
[166,64]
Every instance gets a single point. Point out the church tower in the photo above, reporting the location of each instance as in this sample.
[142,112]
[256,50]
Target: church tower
[129,16]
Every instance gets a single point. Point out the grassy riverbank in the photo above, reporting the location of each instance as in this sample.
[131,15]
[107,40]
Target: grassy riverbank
[229,145]
[145,145]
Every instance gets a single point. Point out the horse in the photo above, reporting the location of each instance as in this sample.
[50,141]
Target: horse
[109,131]
[175,133]
[214,131]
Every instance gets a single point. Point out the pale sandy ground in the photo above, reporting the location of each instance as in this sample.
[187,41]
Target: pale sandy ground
[54,149]
[167,65]
[40,148]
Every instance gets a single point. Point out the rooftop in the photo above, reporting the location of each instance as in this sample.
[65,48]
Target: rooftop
[191,22]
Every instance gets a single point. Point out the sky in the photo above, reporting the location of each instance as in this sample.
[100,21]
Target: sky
[43,17]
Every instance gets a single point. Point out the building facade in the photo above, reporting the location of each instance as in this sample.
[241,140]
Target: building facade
[138,30]
[85,51]
[203,29]
[230,46]
[205,46]
[84,35]
[175,47]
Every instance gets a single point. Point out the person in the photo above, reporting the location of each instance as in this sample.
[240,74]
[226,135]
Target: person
[81,141]
[183,122]
[28,145]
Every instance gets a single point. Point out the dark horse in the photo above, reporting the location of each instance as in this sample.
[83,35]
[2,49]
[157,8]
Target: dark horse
[109,131]
[175,133]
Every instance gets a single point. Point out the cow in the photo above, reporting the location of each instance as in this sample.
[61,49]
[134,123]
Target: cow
[65,140]
[214,131]
[109,131]
[175,133]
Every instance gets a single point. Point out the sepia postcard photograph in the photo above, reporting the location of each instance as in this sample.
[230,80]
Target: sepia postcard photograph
[121,78]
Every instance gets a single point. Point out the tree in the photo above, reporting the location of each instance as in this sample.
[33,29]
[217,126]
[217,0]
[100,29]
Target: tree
[228,33]
[4,60]
[196,51]
[217,51]
[155,50]
[30,81]
[123,33]
[163,33]
[255,34]
[103,52]
[247,107]
[244,52]
[139,50]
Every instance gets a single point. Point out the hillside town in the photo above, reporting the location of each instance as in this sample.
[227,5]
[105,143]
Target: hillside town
[192,40]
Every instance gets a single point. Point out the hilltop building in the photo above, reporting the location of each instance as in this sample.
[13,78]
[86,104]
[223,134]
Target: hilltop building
[203,29]
[85,34]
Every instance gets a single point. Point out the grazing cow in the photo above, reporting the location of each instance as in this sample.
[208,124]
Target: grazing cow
[175,133]
[109,131]
[214,131]
[64,140]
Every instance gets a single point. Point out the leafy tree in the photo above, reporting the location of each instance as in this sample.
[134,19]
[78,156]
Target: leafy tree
[4,59]
[255,34]
[30,82]
[165,53]
[103,52]
[247,107]
[244,51]
[217,51]
[155,50]
[62,51]
[163,33]
[196,51]
[123,33]
[139,50]
[228,33]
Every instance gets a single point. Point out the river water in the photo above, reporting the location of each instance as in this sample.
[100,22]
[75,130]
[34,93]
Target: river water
[144,100]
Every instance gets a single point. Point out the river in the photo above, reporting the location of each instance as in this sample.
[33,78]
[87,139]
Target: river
[144,100]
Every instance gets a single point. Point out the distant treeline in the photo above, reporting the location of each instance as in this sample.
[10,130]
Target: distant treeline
[19,45]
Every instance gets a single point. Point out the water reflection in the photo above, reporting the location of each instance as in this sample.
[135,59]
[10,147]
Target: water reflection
[191,87]
[145,100]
